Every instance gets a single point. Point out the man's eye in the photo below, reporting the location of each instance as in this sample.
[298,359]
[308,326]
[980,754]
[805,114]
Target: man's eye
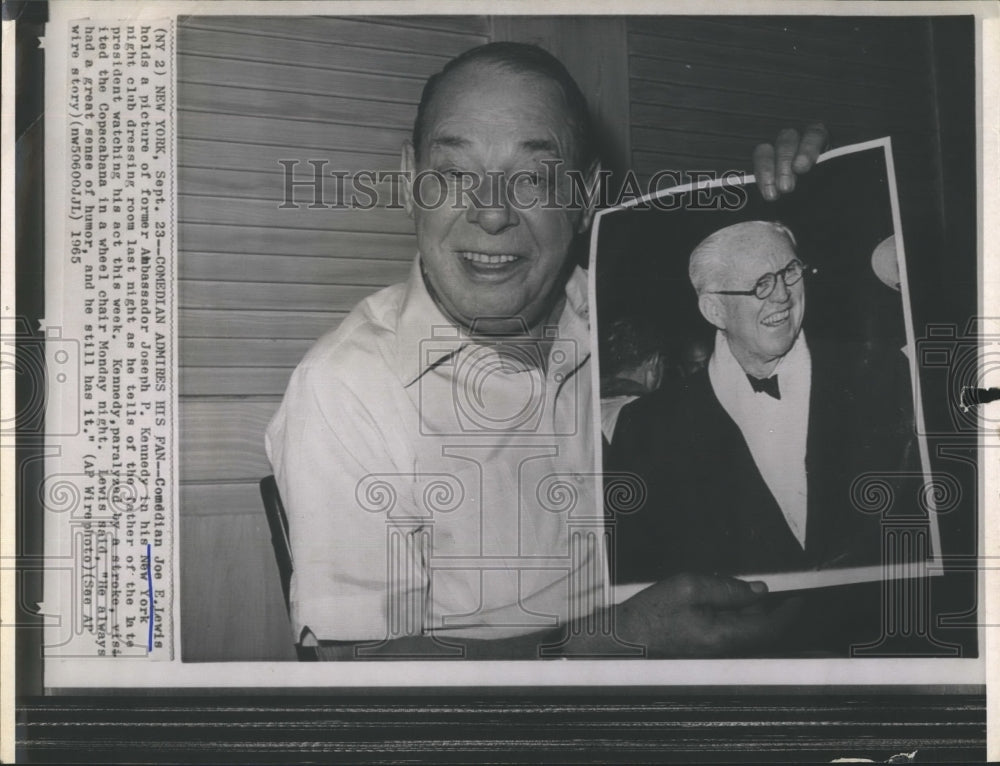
[530,179]
[456,175]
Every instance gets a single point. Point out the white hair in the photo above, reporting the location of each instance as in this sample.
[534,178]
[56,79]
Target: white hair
[709,261]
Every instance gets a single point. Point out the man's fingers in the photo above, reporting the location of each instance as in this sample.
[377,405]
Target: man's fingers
[813,142]
[776,167]
[785,153]
[763,170]
[725,593]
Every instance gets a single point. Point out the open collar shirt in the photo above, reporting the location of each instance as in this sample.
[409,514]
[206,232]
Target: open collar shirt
[434,485]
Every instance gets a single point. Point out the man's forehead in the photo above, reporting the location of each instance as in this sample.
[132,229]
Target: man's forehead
[485,103]
[756,249]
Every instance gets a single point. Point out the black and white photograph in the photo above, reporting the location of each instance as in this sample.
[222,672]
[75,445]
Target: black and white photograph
[640,357]
[391,485]
[757,383]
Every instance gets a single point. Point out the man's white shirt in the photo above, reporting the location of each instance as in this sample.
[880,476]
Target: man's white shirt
[417,462]
[775,430]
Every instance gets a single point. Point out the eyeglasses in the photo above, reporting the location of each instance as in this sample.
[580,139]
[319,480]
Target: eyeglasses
[764,286]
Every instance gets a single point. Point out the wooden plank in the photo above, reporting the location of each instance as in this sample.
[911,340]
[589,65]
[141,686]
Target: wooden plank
[662,116]
[270,186]
[900,94]
[738,34]
[234,381]
[648,164]
[256,295]
[821,68]
[348,31]
[223,439]
[594,51]
[653,162]
[645,164]
[907,37]
[241,267]
[220,498]
[219,211]
[297,79]
[291,133]
[246,239]
[794,111]
[248,353]
[264,48]
[231,602]
[478,26]
[648,140]
[221,98]
[234,323]
[263,158]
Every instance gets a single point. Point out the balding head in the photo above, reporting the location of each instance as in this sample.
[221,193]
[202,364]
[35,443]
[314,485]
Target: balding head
[519,58]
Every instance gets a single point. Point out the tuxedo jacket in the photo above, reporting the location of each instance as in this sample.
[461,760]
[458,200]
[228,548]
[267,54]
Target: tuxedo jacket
[707,509]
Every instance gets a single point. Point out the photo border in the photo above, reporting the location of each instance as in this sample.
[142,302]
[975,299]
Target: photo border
[796,580]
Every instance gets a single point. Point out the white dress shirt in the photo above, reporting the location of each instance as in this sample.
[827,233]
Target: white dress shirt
[775,430]
[433,484]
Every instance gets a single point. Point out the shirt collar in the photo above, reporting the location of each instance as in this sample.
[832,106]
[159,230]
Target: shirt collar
[425,336]
[727,374]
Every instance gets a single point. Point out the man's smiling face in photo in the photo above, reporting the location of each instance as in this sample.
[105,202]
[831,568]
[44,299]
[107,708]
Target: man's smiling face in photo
[760,330]
[502,259]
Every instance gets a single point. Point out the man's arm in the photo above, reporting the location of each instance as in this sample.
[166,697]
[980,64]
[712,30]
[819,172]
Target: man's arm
[685,616]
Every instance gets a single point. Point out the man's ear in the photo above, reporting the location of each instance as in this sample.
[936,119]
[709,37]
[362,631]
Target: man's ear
[711,308]
[407,164]
[587,214]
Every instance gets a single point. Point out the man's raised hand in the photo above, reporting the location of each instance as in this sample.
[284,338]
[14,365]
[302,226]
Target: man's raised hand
[776,165]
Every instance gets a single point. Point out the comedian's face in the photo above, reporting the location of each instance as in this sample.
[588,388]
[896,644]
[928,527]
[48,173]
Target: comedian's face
[496,260]
[764,330]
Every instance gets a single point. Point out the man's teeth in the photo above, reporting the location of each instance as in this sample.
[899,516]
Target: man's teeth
[489,259]
[776,319]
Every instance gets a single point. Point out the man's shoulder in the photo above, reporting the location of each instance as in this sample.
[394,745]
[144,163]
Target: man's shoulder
[675,399]
[362,343]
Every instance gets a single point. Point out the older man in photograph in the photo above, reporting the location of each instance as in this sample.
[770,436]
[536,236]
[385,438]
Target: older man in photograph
[750,465]
[435,452]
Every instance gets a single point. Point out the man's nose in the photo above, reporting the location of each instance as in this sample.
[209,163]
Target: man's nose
[781,291]
[490,208]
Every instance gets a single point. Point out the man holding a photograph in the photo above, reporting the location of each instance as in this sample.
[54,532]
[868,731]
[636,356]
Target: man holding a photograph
[407,447]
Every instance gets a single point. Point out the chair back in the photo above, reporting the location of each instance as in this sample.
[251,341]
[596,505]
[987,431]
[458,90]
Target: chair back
[277,521]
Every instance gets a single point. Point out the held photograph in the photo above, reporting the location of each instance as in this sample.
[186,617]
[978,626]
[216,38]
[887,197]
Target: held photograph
[757,385]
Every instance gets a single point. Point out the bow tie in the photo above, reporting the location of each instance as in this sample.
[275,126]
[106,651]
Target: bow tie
[768,385]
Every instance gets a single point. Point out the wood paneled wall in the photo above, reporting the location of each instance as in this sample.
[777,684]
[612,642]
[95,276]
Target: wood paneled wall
[705,91]
[259,284]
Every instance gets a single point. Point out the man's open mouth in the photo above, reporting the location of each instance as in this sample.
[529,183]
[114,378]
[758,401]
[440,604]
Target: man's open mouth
[776,319]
